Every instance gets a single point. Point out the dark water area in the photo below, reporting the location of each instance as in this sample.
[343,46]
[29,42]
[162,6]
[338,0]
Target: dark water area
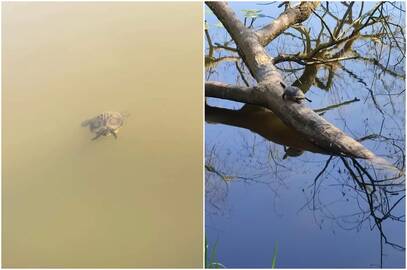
[259,201]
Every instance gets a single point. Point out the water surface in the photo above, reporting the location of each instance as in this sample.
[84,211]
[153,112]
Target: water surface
[257,201]
[131,202]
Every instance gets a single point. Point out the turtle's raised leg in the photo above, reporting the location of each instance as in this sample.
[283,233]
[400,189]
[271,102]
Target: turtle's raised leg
[113,133]
[100,133]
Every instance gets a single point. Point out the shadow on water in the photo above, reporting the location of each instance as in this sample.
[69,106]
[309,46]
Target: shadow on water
[266,182]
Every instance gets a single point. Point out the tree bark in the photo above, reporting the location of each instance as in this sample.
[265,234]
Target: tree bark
[291,16]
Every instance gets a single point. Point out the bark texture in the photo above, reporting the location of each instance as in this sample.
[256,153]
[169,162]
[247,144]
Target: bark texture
[291,16]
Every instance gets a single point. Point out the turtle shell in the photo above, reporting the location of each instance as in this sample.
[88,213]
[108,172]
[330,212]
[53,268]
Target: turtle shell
[114,120]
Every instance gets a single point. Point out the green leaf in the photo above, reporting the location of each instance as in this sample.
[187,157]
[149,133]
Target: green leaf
[274,260]
[251,13]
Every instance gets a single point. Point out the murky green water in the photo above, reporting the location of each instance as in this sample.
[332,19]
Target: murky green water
[72,202]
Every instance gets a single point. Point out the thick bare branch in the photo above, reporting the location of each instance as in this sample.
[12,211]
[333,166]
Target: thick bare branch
[288,18]
[231,92]
[251,51]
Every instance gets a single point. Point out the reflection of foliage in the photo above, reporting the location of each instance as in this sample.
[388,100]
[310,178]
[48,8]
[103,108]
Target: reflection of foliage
[331,46]
[216,191]
[378,196]
[346,49]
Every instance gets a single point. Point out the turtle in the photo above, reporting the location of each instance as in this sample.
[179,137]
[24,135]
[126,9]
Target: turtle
[105,124]
[293,93]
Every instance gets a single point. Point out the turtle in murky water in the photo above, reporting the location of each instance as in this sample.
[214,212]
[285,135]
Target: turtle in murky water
[105,124]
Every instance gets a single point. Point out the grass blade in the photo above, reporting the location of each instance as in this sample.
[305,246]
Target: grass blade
[274,260]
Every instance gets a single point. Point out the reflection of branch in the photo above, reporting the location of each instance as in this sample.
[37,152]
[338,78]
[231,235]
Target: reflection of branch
[386,25]
[355,34]
[298,58]
[316,179]
[242,74]
[330,107]
[326,26]
[372,12]
[360,80]
[229,178]
[227,48]
[212,169]
[245,94]
[331,60]
[372,191]
[262,122]
[305,60]
[336,42]
[342,22]
[381,66]
[304,32]
[368,137]
[329,12]
[370,196]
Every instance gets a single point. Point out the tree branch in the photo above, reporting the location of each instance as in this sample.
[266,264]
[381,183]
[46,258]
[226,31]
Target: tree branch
[268,93]
[288,18]
[232,92]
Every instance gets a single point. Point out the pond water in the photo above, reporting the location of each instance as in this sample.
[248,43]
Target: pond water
[131,202]
[259,204]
